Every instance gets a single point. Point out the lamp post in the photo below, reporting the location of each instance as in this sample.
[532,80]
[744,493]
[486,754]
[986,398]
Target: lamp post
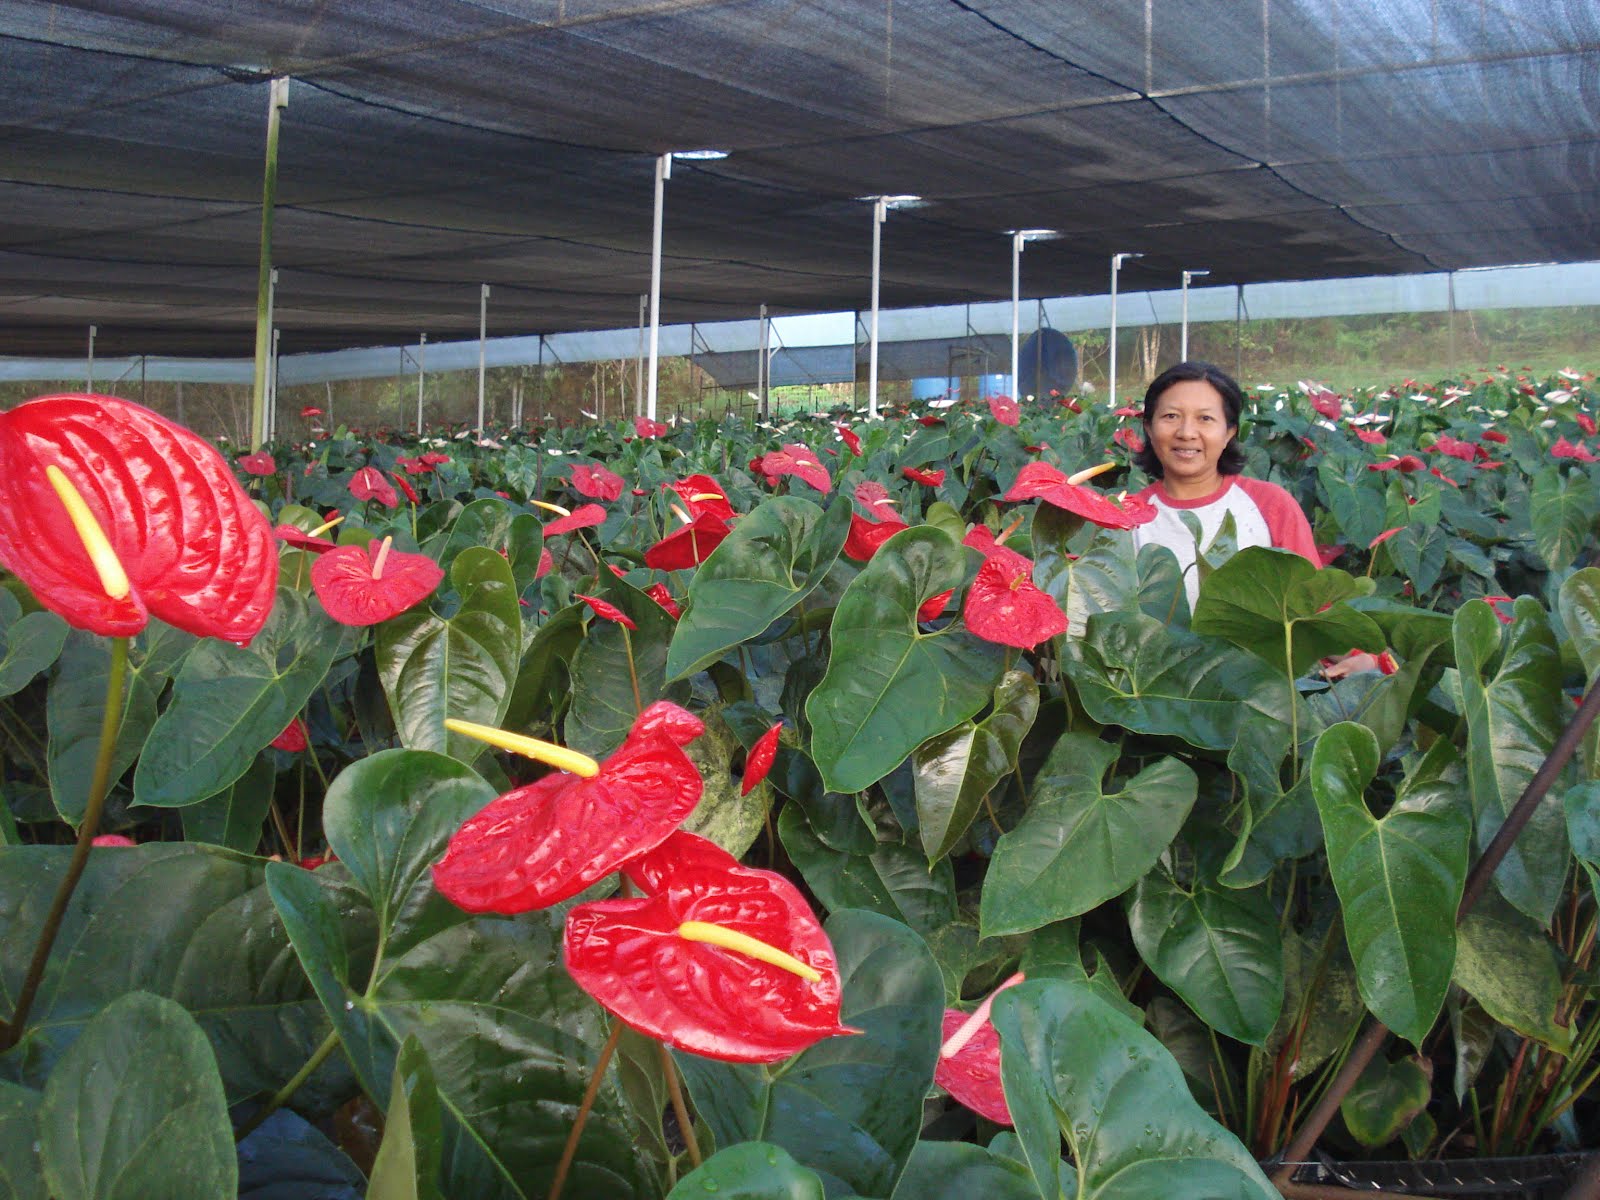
[880,213]
[1183,341]
[1020,238]
[1111,343]
[663,173]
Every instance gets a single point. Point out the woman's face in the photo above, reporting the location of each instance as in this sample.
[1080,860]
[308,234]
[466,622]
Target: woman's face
[1188,432]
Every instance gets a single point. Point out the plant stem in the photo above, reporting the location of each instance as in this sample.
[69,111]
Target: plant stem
[1294,705]
[281,1096]
[569,1152]
[100,783]
[679,1108]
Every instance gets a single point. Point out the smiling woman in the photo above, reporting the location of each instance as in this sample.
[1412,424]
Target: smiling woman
[1191,422]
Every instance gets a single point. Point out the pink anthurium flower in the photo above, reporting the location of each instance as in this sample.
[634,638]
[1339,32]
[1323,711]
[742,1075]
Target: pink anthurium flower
[364,585]
[259,463]
[585,516]
[110,514]
[1005,606]
[717,958]
[798,460]
[1403,462]
[537,845]
[1004,410]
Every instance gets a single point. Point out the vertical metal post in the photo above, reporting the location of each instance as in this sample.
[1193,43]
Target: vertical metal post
[1017,240]
[422,348]
[88,384]
[328,386]
[1111,341]
[1238,330]
[483,346]
[269,414]
[638,361]
[1183,342]
[880,211]
[1450,281]
[272,387]
[663,173]
[277,101]
[764,368]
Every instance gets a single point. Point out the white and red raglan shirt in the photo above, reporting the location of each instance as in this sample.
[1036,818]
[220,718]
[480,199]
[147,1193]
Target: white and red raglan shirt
[1263,515]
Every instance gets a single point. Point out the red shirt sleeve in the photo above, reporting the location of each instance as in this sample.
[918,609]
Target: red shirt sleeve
[1285,521]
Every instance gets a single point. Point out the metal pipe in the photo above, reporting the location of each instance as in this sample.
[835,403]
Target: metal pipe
[270,409]
[1017,239]
[483,347]
[422,346]
[1183,341]
[277,101]
[880,212]
[88,385]
[663,173]
[638,359]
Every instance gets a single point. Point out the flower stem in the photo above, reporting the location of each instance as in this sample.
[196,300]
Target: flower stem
[569,1152]
[679,1108]
[281,1096]
[100,783]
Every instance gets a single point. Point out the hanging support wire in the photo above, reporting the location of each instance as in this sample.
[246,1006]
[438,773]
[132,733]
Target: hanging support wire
[277,101]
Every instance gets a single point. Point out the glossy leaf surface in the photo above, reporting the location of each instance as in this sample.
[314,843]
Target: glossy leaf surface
[1079,845]
[1385,1100]
[1399,877]
[604,701]
[889,686]
[750,1171]
[136,1109]
[28,643]
[407,1165]
[1076,1068]
[463,666]
[1512,968]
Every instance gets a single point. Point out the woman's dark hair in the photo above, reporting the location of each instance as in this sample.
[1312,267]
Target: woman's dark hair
[1231,460]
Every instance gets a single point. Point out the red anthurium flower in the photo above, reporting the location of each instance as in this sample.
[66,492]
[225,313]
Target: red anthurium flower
[111,513]
[930,422]
[537,845]
[1128,411]
[259,463]
[112,839]
[1128,440]
[1042,481]
[874,497]
[606,610]
[1404,462]
[968,1066]
[369,484]
[302,540]
[1370,436]
[658,592]
[546,563]
[434,459]
[293,737]
[1565,449]
[1004,605]
[585,516]
[934,605]
[1328,555]
[363,585]
[718,959]
[646,428]
[917,475]
[405,487]
[1455,447]
[1441,475]
[1495,602]
[596,482]
[703,494]
[1494,435]
[308,412]
[850,438]
[1327,405]
[759,761]
[1585,422]
[1004,409]
[691,544]
[866,536]
[796,459]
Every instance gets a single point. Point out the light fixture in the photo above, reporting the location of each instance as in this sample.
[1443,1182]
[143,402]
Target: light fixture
[699,155]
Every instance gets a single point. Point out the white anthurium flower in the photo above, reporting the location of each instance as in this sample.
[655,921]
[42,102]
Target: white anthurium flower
[941,403]
[554,453]
[1550,424]
[1569,373]
[1558,397]
[590,415]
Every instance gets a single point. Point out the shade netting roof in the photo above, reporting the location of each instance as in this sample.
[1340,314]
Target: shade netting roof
[428,148]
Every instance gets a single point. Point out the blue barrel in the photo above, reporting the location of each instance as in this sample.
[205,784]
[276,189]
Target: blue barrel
[994,385]
[934,387]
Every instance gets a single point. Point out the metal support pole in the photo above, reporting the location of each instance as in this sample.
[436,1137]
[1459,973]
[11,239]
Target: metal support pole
[1111,343]
[638,362]
[880,212]
[764,403]
[88,385]
[1183,341]
[422,348]
[1450,281]
[483,347]
[663,173]
[1238,330]
[277,101]
[1017,240]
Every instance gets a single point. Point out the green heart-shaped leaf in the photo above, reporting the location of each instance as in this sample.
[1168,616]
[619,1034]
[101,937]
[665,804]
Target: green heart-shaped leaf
[464,666]
[889,686]
[29,642]
[1399,877]
[605,700]
[1512,968]
[1078,845]
[136,1109]
[771,561]
[1385,1100]
[1073,1066]
[750,1171]
[1561,512]
[407,1166]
